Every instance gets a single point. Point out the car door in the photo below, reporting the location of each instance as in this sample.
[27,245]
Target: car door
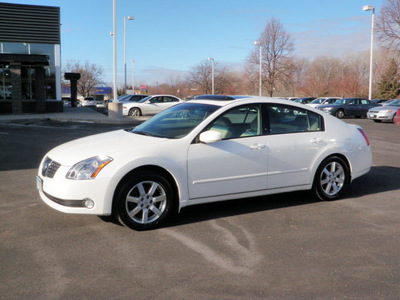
[365,105]
[236,164]
[167,102]
[296,138]
[353,107]
[152,107]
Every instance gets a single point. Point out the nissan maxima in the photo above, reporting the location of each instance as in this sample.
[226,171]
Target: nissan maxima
[204,151]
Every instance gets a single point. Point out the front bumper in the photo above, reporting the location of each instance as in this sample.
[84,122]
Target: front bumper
[74,196]
[380,116]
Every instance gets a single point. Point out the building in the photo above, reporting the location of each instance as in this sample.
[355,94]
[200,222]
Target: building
[30,59]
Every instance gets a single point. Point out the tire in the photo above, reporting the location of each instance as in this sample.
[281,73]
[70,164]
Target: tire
[340,114]
[135,112]
[144,201]
[331,178]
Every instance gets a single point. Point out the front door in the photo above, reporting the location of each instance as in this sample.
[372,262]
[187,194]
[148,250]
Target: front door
[234,165]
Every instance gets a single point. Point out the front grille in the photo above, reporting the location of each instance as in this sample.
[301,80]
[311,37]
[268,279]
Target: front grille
[49,168]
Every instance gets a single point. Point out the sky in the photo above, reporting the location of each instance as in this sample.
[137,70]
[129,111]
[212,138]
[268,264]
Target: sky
[168,38]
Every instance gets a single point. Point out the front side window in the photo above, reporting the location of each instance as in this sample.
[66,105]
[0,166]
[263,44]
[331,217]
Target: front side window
[243,121]
[289,119]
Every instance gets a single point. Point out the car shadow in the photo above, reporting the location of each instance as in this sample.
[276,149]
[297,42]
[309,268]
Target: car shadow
[379,179]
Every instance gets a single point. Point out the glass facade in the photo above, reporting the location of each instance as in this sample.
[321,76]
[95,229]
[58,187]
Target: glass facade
[28,71]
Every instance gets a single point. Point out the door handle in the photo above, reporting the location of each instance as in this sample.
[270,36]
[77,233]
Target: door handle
[316,140]
[257,146]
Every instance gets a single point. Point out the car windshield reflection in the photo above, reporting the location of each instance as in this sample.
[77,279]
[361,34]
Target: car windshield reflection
[177,121]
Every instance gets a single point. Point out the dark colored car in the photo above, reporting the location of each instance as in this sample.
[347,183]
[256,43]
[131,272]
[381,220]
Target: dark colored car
[357,107]
[304,100]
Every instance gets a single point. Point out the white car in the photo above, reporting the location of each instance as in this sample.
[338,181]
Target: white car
[151,105]
[384,113]
[204,151]
[323,101]
[89,101]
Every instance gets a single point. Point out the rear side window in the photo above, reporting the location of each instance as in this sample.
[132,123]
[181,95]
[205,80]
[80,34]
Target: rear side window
[290,119]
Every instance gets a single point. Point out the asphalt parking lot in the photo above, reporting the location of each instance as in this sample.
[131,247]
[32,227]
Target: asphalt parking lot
[287,246]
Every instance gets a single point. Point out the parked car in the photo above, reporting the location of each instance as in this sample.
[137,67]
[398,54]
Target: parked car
[129,98]
[396,118]
[323,101]
[379,101]
[304,100]
[150,105]
[66,101]
[204,151]
[357,107]
[384,113]
[88,101]
[220,97]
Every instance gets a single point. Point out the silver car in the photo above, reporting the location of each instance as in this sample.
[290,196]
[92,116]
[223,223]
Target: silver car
[384,113]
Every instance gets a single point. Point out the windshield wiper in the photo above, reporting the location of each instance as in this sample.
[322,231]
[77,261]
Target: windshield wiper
[149,134]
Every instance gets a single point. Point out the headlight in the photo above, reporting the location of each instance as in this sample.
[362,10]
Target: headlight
[385,111]
[327,108]
[88,168]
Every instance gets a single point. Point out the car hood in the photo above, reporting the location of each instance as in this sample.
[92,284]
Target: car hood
[110,144]
[386,107]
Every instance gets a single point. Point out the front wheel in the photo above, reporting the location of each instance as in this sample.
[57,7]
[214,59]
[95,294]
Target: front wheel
[340,114]
[144,201]
[135,112]
[330,179]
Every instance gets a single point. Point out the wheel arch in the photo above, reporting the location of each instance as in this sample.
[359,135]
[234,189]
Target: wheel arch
[135,107]
[157,169]
[340,155]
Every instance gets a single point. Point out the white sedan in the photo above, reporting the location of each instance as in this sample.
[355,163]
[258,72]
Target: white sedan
[204,151]
[151,105]
[89,101]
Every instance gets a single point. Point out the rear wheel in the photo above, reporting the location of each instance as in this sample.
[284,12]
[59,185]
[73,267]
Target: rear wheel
[340,113]
[135,112]
[330,179]
[144,201]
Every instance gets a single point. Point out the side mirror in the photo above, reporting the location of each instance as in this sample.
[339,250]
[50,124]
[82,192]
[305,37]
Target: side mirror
[210,136]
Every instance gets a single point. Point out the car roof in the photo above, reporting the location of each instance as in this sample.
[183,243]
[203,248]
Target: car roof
[245,100]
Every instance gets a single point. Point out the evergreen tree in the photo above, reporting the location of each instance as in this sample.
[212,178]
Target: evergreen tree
[389,86]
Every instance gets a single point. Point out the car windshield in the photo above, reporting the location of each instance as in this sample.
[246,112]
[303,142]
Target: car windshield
[318,101]
[395,103]
[144,99]
[177,121]
[122,98]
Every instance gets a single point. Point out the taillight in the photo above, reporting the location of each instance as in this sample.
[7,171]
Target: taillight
[364,135]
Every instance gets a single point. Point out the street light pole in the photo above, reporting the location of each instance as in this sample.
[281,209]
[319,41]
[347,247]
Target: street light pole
[133,77]
[125,18]
[115,107]
[259,44]
[367,8]
[212,74]
[115,50]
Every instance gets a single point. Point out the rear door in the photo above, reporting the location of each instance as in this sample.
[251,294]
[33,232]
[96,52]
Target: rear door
[296,138]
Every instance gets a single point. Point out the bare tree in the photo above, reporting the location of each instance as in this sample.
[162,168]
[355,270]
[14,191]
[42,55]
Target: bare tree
[200,77]
[277,45]
[388,24]
[90,75]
